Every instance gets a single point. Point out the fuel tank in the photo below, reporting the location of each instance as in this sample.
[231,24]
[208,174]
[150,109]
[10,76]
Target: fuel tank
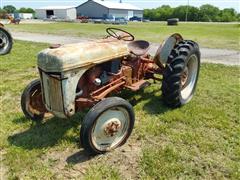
[71,56]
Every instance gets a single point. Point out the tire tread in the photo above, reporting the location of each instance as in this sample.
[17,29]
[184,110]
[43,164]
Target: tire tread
[171,85]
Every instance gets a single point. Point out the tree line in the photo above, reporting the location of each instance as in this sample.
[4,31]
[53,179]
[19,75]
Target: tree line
[12,9]
[205,13]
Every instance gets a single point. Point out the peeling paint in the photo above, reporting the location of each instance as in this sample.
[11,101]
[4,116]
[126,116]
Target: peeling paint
[73,56]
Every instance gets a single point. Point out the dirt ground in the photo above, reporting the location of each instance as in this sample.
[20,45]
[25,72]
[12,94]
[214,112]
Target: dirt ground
[80,162]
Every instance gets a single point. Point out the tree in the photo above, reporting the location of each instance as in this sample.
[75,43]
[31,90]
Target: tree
[206,12]
[193,14]
[3,13]
[165,12]
[147,13]
[159,14]
[26,10]
[180,12]
[9,8]
[228,15]
[209,13]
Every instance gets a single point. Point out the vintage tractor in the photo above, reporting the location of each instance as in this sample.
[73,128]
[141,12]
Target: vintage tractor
[6,41]
[84,75]
[13,20]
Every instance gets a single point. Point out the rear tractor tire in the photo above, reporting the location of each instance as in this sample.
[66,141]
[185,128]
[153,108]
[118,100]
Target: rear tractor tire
[181,74]
[107,125]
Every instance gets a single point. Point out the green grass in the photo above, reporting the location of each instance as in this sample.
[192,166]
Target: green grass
[199,140]
[213,35]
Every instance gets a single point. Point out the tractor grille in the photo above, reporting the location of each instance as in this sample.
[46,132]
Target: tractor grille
[52,91]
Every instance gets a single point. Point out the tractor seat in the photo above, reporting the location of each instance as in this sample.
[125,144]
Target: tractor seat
[139,47]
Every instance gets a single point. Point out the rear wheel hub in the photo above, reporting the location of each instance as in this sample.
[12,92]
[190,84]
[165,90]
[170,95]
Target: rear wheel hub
[184,77]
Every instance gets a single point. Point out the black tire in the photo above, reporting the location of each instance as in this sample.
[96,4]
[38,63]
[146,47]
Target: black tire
[33,87]
[5,48]
[90,121]
[184,53]
[172,22]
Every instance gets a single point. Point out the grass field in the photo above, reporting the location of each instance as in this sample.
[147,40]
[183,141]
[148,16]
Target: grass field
[199,140]
[225,36]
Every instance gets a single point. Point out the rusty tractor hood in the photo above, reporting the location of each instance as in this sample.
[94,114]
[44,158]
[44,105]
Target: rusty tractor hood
[77,55]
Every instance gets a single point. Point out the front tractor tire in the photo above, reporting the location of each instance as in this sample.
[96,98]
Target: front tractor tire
[181,74]
[31,101]
[107,125]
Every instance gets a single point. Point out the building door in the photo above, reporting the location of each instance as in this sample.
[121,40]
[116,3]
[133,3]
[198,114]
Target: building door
[49,13]
[130,14]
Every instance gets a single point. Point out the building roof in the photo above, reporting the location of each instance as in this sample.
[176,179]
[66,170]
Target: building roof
[57,7]
[116,5]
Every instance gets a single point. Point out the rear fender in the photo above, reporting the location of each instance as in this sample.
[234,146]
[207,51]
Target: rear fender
[166,47]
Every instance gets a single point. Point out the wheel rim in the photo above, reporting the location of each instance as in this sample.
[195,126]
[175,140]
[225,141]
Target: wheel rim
[4,41]
[35,106]
[110,129]
[189,77]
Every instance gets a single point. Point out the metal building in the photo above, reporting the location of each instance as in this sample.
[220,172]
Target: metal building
[59,12]
[102,9]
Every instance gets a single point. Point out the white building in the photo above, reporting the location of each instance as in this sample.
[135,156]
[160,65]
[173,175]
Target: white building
[59,12]
[25,15]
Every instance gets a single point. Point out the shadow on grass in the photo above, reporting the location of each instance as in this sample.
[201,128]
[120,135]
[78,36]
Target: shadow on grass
[49,133]
[153,103]
[20,120]
[79,157]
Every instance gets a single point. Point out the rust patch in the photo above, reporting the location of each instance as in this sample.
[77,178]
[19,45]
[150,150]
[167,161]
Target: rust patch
[127,72]
[36,105]
[112,128]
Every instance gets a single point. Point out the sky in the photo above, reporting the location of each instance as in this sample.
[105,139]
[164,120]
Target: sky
[140,3]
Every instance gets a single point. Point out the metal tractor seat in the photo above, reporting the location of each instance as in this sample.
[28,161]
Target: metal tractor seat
[139,47]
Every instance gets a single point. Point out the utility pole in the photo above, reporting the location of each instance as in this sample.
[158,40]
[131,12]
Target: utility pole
[186,18]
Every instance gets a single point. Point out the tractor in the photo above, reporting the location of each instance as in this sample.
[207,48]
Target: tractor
[90,75]
[13,20]
[6,41]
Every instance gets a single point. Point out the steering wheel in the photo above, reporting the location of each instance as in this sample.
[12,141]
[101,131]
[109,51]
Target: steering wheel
[120,34]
